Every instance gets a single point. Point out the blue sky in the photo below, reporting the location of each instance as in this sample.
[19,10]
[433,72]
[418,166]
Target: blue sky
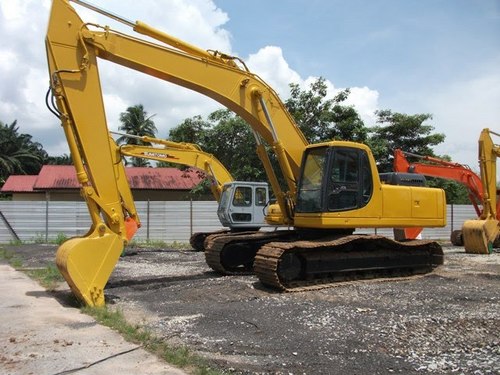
[427,56]
[392,46]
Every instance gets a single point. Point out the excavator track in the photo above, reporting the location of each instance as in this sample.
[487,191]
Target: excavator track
[234,252]
[306,265]
[197,240]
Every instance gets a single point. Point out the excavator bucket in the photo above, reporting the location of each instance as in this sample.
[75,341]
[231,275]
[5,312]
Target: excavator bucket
[479,235]
[86,263]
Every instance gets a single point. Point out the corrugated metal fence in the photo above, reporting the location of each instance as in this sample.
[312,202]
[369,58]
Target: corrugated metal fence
[162,221]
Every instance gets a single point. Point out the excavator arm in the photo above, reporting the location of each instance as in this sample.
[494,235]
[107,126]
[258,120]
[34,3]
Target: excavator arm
[86,263]
[443,169]
[181,153]
[479,235]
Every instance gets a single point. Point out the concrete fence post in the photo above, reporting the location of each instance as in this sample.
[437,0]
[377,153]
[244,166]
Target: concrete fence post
[47,199]
[147,220]
[190,216]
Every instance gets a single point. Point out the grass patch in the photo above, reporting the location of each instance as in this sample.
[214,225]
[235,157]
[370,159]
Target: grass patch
[48,277]
[39,238]
[60,238]
[11,258]
[160,244]
[177,356]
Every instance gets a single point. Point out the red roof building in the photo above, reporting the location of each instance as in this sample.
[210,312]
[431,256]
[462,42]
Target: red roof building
[59,182]
[19,184]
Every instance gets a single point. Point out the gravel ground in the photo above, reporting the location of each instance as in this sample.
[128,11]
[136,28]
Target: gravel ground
[446,322]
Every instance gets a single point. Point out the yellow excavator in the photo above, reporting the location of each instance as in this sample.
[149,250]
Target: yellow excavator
[480,234]
[332,188]
[245,202]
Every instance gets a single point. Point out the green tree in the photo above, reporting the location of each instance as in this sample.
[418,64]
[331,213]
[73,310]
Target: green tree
[63,159]
[407,132]
[228,137]
[135,121]
[191,130]
[232,141]
[19,154]
[322,119]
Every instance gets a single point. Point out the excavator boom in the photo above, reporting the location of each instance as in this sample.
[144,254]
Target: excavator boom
[439,168]
[231,214]
[479,235]
[187,154]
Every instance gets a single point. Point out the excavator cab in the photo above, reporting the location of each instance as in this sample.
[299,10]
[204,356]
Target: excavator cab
[243,204]
[334,179]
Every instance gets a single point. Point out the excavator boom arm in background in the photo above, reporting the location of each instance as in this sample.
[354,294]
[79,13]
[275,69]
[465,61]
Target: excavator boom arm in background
[439,168]
[479,235]
[182,153]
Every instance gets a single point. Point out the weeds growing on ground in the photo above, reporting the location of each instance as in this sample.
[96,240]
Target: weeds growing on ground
[60,238]
[160,244]
[11,258]
[48,277]
[177,356]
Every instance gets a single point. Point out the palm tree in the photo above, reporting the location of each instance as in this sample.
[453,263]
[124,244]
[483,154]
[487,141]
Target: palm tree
[135,121]
[63,159]
[18,153]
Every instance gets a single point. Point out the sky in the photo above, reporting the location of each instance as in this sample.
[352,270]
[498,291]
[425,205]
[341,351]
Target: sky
[440,57]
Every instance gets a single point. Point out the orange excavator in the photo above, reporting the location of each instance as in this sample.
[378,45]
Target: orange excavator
[482,190]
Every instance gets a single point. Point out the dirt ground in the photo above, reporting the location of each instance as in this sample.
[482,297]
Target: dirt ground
[446,322]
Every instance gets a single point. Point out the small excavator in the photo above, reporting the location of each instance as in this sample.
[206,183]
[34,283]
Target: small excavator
[331,188]
[477,236]
[244,204]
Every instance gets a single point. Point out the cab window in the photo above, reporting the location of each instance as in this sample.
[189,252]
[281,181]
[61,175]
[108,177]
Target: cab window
[349,181]
[242,196]
[310,186]
[260,196]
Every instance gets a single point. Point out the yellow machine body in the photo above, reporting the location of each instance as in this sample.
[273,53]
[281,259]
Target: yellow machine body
[73,50]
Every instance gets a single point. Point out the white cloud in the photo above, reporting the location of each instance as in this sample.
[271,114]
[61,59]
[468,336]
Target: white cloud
[198,22]
[57,148]
[365,100]
[271,66]
[462,109]
[23,71]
